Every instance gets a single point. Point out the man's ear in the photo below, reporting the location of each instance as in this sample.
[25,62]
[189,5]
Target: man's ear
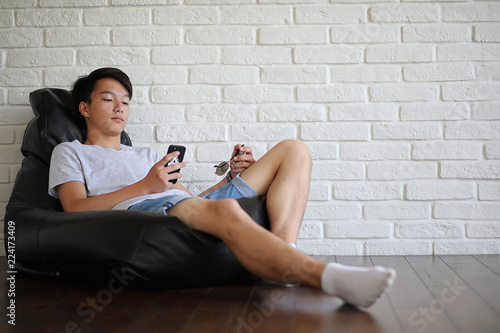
[82,107]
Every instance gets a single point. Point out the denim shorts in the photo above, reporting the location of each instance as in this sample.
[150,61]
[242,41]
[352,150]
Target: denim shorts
[236,189]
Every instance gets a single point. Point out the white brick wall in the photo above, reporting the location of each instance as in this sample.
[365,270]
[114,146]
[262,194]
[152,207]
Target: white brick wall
[398,101]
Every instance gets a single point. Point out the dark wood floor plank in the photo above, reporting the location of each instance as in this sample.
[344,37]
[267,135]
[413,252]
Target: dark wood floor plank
[221,310]
[408,295]
[451,296]
[478,277]
[492,261]
[170,312]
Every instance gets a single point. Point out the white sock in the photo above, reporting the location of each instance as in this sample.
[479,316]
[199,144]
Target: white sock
[356,285]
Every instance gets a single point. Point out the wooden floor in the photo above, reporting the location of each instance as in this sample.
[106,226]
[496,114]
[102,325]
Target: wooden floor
[431,294]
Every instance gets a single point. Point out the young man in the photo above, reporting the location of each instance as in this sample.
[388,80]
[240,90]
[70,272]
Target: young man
[103,174]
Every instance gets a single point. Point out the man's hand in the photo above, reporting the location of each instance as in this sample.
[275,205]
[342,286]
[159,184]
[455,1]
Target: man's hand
[157,179]
[241,162]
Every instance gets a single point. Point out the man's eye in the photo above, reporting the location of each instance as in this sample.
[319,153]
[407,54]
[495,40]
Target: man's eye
[107,100]
[125,103]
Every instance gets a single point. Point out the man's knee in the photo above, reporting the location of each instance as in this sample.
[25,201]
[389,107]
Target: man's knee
[298,149]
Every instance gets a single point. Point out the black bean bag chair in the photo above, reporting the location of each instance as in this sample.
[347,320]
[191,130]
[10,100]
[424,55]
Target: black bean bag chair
[140,247]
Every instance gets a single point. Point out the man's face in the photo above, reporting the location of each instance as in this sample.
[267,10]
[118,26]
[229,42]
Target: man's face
[108,110]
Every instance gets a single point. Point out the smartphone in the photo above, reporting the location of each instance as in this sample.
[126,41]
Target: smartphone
[179,158]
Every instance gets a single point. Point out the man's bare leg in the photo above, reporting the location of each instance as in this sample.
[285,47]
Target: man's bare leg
[266,255]
[283,174]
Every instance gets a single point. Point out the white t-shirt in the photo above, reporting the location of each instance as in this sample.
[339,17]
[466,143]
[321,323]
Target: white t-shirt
[103,170]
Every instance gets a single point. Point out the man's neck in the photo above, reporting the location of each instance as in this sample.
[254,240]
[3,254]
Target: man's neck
[105,142]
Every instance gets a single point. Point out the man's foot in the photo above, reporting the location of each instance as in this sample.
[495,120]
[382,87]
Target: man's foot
[359,286]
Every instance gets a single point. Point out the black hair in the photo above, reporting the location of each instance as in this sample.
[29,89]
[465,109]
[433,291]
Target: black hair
[83,87]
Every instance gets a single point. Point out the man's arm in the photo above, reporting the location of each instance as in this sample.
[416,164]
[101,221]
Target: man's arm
[73,195]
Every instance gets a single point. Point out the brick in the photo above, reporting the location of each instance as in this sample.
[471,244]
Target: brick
[5,191]
[439,190]
[40,58]
[256,55]
[183,55]
[332,211]
[396,211]
[219,113]
[62,77]
[358,229]
[331,247]
[4,172]
[401,170]
[398,247]
[72,3]
[145,2]
[365,73]
[446,150]
[77,37]
[20,96]
[6,19]
[476,12]
[22,38]
[399,54]
[331,93]
[492,150]
[335,132]
[220,35]
[468,52]
[258,94]
[440,33]
[117,16]
[407,131]
[487,32]
[337,171]
[146,36]
[155,75]
[404,93]
[434,111]
[457,247]
[48,17]
[323,150]
[292,112]
[256,15]
[17,3]
[319,191]
[155,114]
[363,112]
[486,111]
[489,191]
[141,133]
[471,170]
[113,56]
[366,191]
[326,54]
[483,230]
[293,35]
[429,229]
[21,77]
[311,230]
[395,13]
[487,72]
[467,211]
[364,34]
[191,133]
[472,130]
[263,132]
[374,151]
[224,75]
[213,152]
[294,74]
[185,94]
[338,14]
[441,72]
[7,136]
[185,15]
[475,91]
